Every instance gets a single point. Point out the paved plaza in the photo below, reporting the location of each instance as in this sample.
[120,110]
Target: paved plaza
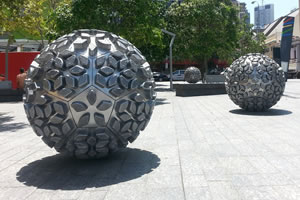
[194,148]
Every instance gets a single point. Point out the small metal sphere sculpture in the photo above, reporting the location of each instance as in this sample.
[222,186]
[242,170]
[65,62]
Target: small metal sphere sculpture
[192,75]
[88,93]
[254,82]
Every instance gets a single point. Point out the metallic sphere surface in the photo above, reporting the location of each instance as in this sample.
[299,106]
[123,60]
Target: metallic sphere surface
[89,93]
[192,75]
[255,82]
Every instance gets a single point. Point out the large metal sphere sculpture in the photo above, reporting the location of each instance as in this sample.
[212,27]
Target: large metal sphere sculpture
[88,93]
[192,75]
[255,82]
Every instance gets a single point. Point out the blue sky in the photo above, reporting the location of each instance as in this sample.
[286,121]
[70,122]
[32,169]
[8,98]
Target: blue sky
[281,7]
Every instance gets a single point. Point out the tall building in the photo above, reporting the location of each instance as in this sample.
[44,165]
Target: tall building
[263,15]
[243,12]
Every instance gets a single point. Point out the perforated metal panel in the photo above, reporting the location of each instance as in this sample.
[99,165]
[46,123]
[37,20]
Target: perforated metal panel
[255,82]
[88,93]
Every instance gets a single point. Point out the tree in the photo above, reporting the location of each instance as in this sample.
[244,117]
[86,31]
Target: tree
[37,20]
[137,21]
[204,28]
[250,42]
[10,20]
[28,18]
[10,15]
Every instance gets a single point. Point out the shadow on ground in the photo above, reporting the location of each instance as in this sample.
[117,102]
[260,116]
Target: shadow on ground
[270,112]
[162,89]
[5,124]
[161,101]
[290,96]
[66,173]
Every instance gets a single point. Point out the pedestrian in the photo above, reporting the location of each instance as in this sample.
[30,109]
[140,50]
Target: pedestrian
[21,78]
[2,77]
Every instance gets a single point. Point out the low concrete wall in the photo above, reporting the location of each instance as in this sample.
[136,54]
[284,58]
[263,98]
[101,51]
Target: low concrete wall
[185,90]
[4,85]
[8,95]
[214,78]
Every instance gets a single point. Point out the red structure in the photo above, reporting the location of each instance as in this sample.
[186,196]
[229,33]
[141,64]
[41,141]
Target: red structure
[16,60]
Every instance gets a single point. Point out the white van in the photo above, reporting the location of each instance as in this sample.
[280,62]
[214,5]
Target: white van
[178,75]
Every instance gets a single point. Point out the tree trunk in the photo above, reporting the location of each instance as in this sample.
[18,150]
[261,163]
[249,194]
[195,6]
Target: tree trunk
[9,41]
[42,35]
[205,65]
[6,59]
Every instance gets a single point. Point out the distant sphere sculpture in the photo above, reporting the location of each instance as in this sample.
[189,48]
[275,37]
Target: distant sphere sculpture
[192,75]
[88,93]
[254,82]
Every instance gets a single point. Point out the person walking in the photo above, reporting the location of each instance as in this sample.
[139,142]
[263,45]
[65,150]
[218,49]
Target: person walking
[21,78]
[2,77]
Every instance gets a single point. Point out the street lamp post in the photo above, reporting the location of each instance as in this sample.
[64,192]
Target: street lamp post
[170,57]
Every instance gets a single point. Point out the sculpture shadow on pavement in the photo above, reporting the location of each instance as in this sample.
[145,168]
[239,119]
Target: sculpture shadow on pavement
[161,101]
[6,125]
[66,173]
[162,89]
[270,112]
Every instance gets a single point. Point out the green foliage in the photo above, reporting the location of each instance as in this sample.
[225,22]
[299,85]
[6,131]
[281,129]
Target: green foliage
[137,21]
[27,18]
[37,17]
[250,42]
[203,28]
[10,13]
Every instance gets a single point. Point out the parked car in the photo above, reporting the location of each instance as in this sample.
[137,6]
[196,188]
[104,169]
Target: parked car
[160,77]
[178,75]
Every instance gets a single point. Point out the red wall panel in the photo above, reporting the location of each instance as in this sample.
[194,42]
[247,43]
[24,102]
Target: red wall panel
[16,60]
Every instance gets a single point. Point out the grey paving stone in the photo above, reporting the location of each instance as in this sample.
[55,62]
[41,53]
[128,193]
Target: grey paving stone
[223,191]
[243,147]
[282,149]
[168,154]
[281,163]
[260,192]
[230,150]
[165,193]
[249,180]
[127,192]
[196,193]
[66,195]
[217,174]
[41,195]
[237,165]
[288,192]
[165,176]
[16,193]
[278,179]
[193,164]
[194,180]
[221,153]
[262,165]
[92,195]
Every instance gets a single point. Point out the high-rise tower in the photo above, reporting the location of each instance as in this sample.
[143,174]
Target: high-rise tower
[263,15]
